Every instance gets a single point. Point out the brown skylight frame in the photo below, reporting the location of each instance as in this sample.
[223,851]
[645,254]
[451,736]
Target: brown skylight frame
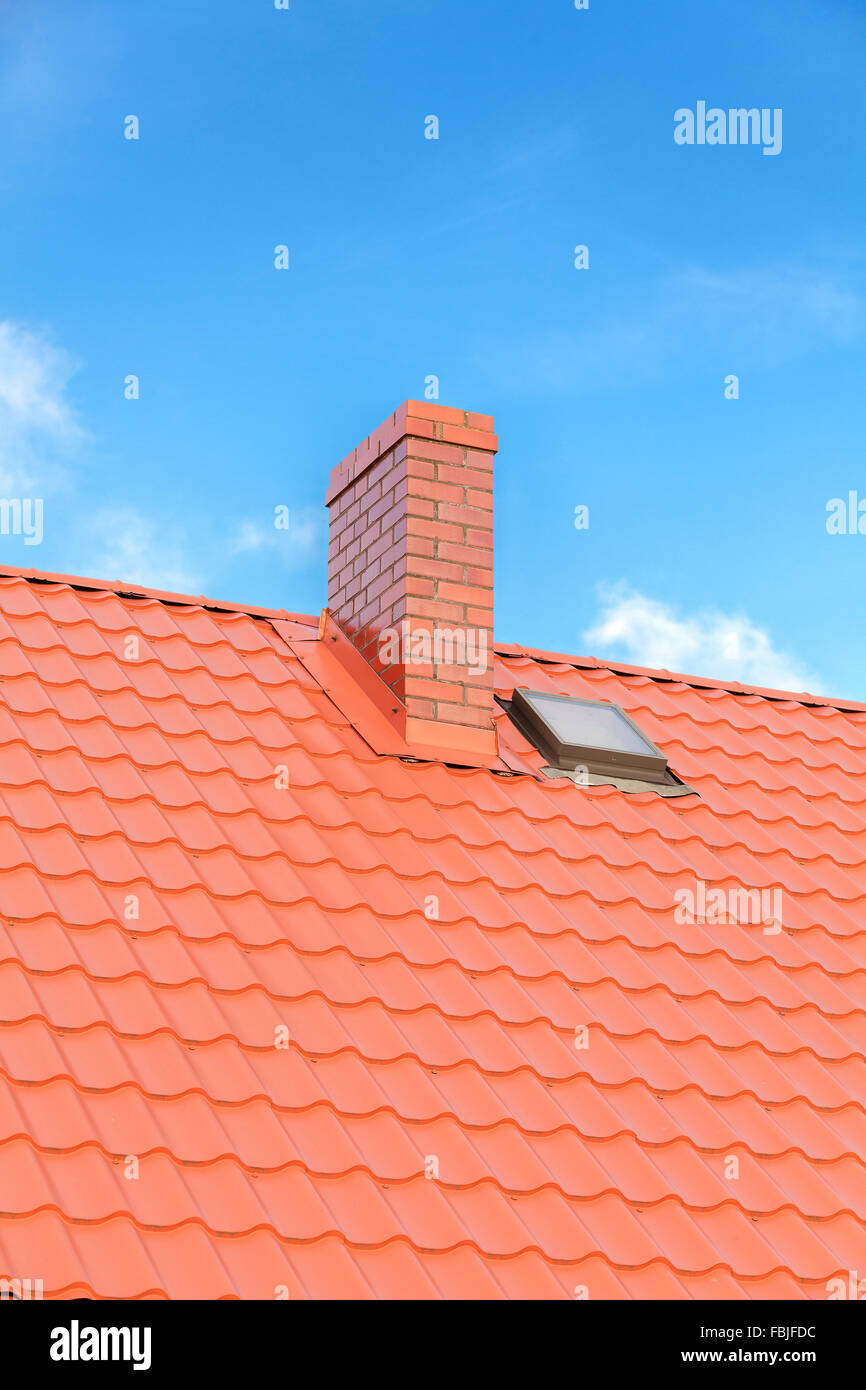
[527,711]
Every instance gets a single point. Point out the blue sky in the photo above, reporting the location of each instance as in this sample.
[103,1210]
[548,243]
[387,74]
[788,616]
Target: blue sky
[707,548]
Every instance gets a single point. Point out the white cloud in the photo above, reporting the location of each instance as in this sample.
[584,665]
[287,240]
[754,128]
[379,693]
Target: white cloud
[39,435]
[133,548]
[250,536]
[760,317]
[296,544]
[778,309]
[642,631]
[38,425]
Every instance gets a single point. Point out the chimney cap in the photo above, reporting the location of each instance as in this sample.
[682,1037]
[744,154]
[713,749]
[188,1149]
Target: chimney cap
[417,420]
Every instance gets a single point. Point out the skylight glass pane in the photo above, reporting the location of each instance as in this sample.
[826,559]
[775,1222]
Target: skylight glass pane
[590,726]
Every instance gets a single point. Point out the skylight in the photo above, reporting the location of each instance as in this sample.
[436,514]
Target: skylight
[592,734]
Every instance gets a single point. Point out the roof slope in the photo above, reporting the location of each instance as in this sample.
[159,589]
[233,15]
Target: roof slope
[430,1128]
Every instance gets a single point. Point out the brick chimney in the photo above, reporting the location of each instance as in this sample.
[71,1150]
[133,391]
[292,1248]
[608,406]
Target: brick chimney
[410,569]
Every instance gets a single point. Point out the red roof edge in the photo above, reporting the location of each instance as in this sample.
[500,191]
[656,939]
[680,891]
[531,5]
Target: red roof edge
[133,590]
[511,649]
[661,674]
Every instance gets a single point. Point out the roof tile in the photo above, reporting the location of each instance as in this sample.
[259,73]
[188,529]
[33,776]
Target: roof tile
[431,941]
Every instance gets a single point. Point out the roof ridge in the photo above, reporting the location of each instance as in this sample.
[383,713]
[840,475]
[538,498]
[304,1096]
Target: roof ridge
[126,589]
[661,674]
[130,589]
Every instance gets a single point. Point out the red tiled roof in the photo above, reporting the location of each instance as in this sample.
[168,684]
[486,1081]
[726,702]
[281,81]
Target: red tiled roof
[430,1128]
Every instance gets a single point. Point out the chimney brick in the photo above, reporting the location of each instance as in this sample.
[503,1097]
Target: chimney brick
[410,568]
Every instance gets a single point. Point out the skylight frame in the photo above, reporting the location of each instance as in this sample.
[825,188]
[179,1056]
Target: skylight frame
[649,767]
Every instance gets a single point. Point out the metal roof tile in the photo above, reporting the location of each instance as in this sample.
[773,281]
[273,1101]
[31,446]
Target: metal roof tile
[430,938]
